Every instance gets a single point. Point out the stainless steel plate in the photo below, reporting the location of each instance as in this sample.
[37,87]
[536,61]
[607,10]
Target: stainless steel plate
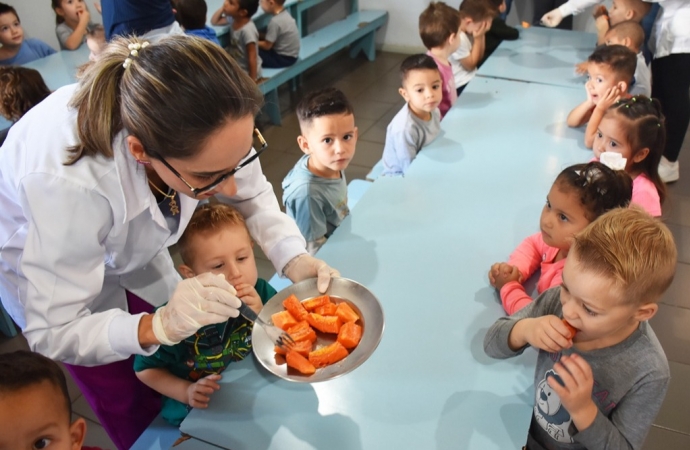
[341,289]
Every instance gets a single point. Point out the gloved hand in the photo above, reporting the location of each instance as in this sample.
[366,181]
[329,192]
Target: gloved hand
[306,266]
[552,18]
[196,302]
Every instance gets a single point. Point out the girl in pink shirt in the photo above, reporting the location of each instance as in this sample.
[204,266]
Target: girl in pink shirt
[635,128]
[580,194]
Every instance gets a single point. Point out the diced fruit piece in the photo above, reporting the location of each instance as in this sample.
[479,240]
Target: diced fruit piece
[328,355]
[283,320]
[294,306]
[301,347]
[328,309]
[315,302]
[349,335]
[572,329]
[300,363]
[346,313]
[302,332]
[325,324]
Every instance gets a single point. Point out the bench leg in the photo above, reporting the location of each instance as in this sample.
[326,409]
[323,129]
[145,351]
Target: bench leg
[272,106]
[367,44]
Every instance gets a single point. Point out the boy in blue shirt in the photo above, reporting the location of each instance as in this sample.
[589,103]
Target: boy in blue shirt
[191,15]
[216,240]
[16,50]
[315,190]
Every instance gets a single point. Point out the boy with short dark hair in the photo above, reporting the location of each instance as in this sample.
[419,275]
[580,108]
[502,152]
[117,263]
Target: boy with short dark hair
[610,69]
[16,50]
[418,122]
[191,15]
[439,28]
[216,240]
[244,38]
[315,190]
[601,373]
[476,17]
[35,408]
[280,47]
[631,35]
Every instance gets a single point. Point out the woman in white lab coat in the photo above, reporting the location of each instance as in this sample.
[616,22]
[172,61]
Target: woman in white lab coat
[99,180]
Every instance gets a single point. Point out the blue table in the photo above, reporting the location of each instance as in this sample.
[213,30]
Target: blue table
[423,244]
[542,55]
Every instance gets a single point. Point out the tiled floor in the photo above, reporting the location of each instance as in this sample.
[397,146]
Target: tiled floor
[372,88]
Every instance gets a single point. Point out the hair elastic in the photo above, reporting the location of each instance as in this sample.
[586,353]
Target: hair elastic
[134,48]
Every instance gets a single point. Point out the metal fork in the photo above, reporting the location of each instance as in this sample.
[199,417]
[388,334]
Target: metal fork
[280,337]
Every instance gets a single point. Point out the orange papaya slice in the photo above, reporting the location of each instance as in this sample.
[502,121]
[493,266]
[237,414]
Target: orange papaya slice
[299,363]
[346,313]
[349,335]
[328,355]
[294,306]
[302,332]
[315,302]
[325,324]
[283,320]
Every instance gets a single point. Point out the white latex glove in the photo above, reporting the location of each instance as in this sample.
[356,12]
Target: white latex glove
[552,18]
[196,302]
[306,266]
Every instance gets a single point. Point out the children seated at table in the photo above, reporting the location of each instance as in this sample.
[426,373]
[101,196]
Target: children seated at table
[216,240]
[280,47]
[418,122]
[475,20]
[439,28]
[633,132]
[95,40]
[16,50]
[601,385]
[191,15]
[580,194]
[610,70]
[315,190]
[21,89]
[73,22]
[35,407]
[244,37]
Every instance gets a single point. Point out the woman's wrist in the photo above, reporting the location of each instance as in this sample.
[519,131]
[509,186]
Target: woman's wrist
[147,338]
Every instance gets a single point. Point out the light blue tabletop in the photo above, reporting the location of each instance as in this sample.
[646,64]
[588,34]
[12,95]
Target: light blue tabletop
[541,55]
[423,244]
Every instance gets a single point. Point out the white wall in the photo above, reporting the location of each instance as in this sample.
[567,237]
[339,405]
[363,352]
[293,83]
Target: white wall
[38,19]
[401,33]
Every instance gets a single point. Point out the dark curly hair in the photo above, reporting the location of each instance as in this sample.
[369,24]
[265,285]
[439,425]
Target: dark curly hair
[20,90]
[600,189]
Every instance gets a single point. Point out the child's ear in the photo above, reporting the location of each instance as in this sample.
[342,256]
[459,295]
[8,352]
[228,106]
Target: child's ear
[403,92]
[627,42]
[646,311]
[623,86]
[641,155]
[186,271]
[77,433]
[303,144]
[629,14]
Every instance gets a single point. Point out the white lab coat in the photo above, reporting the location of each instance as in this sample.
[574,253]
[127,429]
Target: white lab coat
[671,32]
[74,238]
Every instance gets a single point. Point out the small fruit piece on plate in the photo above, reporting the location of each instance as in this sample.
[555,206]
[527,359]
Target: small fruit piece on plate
[571,328]
[301,347]
[346,313]
[283,320]
[349,335]
[299,363]
[294,306]
[325,324]
[328,309]
[328,355]
[302,332]
[315,302]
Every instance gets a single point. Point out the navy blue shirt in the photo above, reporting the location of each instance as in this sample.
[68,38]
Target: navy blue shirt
[125,17]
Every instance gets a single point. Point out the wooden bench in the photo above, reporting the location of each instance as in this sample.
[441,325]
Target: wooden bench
[356,30]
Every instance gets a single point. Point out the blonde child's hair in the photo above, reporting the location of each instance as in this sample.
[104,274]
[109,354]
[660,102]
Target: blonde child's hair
[628,29]
[436,23]
[639,7]
[171,95]
[208,219]
[633,249]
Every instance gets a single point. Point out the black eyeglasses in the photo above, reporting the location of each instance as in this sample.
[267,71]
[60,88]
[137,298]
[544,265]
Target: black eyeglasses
[220,179]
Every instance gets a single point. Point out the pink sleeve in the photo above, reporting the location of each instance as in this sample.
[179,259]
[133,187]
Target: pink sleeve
[645,195]
[528,255]
[514,297]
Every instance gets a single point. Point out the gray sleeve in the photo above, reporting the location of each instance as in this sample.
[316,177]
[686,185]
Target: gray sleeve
[496,339]
[406,145]
[63,33]
[272,31]
[630,421]
[248,35]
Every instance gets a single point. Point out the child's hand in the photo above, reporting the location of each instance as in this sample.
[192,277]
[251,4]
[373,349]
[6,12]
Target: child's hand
[581,68]
[548,333]
[482,29]
[97,5]
[611,96]
[602,24]
[502,274]
[199,393]
[576,391]
[552,18]
[248,295]
[84,16]
[600,11]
